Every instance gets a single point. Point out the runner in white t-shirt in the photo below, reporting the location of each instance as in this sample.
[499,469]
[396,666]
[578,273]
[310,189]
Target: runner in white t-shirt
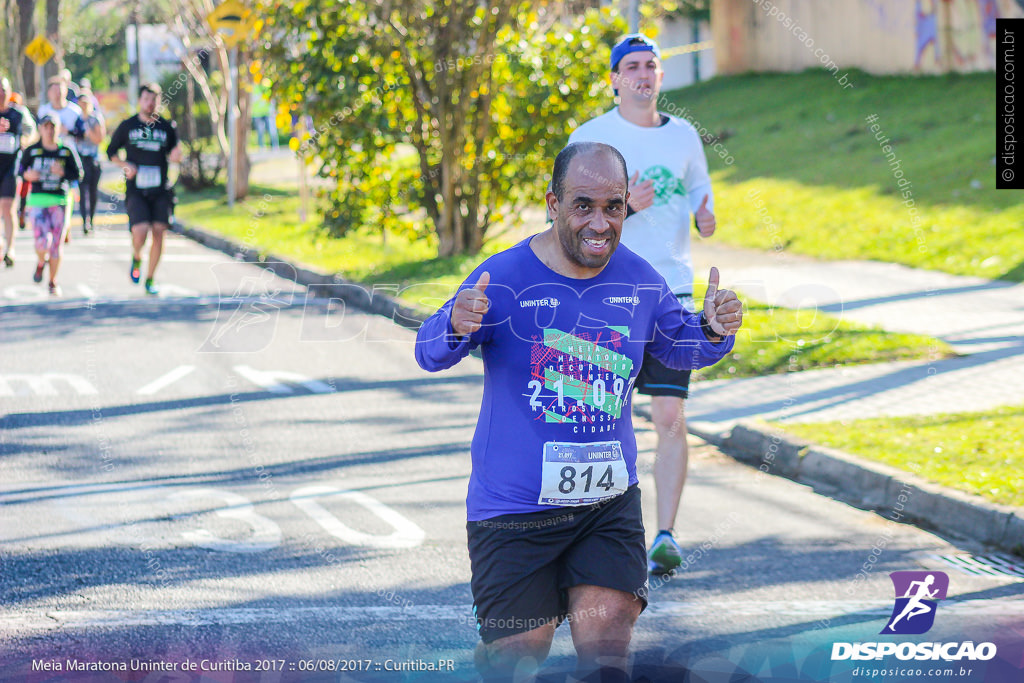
[668,182]
[68,113]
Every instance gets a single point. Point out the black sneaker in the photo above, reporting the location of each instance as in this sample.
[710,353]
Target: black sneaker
[38,275]
[8,260]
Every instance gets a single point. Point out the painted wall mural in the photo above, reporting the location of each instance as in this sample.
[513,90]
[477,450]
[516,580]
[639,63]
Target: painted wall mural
[878,36]
[958,35]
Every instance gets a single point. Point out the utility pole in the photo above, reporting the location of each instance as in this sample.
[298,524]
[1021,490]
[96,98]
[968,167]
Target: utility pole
[54,66]
[29,73]
[634,16]
[232,122]
[135,77]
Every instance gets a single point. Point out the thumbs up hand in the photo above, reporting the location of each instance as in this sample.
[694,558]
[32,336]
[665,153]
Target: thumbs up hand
[722,309]
[470,307]
[705,219]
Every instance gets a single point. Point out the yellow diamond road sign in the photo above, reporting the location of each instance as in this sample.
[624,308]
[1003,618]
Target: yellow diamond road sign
[232,20]
[40,50]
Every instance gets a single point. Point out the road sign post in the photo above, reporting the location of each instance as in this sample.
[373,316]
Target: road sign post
[232,124]
[233,22]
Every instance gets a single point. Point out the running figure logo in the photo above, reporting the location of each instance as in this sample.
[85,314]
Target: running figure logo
[917,596]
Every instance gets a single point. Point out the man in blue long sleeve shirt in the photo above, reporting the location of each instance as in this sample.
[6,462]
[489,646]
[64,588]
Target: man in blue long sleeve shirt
[562,320]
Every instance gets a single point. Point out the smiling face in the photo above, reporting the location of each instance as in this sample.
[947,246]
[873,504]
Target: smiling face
[638,76]
[588,216]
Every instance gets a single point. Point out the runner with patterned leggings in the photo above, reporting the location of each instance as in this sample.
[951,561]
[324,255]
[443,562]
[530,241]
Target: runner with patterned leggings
[50,166]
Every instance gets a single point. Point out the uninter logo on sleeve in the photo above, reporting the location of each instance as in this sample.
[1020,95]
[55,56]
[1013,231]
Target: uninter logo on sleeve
[536,303]
[917,596]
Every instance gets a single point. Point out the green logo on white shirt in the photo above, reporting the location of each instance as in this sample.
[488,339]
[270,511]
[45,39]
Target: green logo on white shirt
[665,184]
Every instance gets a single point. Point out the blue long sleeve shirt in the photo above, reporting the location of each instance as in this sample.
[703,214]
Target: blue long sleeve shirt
[560,358]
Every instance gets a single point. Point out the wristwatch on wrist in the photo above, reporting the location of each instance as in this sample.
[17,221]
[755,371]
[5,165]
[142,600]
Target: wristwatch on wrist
[705,326]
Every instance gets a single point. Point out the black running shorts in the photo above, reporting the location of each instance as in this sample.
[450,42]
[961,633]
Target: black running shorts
[524,564]
[149,208]
[657,379]
[8,186]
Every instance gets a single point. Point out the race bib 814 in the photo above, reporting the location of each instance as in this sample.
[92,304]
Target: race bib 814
[582,473]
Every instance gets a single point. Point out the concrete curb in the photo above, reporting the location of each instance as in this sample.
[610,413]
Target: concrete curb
[893,493]
[898,495]
[375,300]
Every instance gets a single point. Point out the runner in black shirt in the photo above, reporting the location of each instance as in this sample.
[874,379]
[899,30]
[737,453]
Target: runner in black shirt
[149,143]
[10,148]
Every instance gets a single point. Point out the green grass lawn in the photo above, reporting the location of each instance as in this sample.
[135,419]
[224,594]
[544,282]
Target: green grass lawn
[979,452]
[809,175]
[777,340]
[268,221]
[773,339]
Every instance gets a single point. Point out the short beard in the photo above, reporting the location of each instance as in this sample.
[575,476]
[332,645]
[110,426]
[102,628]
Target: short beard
[572,246]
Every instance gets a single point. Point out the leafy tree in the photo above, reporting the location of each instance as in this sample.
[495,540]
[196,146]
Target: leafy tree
[451,110]
[187,20]
[95,47]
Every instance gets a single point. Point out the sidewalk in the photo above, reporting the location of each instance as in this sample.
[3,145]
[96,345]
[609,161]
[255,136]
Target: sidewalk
[983,320]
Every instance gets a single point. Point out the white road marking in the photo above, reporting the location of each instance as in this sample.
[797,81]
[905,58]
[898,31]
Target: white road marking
[266,534]
[273,380]
[406,535]
[31,292]
[43,384]
[163,382]
[49,620]
[170,289]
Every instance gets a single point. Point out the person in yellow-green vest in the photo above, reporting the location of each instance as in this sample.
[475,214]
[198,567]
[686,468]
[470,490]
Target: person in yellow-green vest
[263,116]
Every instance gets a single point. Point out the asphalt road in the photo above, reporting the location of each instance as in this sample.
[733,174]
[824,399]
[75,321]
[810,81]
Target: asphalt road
[240,472]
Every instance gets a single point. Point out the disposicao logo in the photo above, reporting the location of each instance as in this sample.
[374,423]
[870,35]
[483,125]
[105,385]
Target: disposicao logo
[917,596]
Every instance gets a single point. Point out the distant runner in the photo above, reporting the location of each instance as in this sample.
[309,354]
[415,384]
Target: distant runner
[91,131]
[50,166]
[563,320]
[149,142]
[11,131]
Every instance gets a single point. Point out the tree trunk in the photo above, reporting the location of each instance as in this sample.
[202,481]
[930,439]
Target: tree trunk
[54,66]
[28,84]
[9,39]
[243,125]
